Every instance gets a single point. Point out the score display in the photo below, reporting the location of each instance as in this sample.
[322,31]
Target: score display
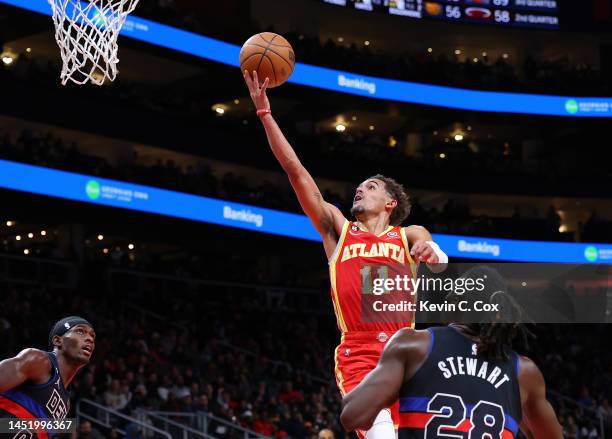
[542,14]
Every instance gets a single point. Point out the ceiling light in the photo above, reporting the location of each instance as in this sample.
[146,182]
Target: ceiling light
[131,246]
[26,251]
[457,52]
[10,223]
[429,49]
[366,42]
[442,155]
[458,137]
[8,60]
[100,237]
[371,127]
[340,128]
[30,235]
[43,233]
[18,237]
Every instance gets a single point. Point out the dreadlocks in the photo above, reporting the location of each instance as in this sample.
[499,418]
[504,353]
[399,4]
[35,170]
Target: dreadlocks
[497,333]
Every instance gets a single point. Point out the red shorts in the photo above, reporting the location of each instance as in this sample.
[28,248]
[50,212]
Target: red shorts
[356,355]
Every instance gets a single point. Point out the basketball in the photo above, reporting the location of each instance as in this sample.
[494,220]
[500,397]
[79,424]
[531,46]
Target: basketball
[270,55]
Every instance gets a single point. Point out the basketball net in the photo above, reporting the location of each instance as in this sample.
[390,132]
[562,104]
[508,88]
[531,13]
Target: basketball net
[87,35]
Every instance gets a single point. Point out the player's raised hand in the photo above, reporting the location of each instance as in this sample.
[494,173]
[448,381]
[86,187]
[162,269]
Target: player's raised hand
[257,92]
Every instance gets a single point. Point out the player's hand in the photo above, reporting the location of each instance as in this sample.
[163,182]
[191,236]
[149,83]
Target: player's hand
[423,252]
[257,92]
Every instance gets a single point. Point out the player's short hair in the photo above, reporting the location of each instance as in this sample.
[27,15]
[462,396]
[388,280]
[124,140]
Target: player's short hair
[64,325]
[398,193]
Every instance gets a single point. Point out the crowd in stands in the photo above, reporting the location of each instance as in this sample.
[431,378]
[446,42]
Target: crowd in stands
[51,151]
[533,75]
[232,356]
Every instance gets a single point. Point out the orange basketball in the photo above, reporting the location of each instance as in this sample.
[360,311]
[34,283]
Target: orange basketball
[270,55]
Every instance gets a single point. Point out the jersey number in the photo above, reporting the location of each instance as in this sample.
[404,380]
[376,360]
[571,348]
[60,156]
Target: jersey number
[487,418]
[367,282]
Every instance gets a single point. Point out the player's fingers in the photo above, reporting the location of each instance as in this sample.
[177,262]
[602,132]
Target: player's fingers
[425,253]
[416,249]
[255,79]
[248,80]
[265,85]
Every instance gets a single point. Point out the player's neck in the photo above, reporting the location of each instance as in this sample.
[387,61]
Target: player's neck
[68,369]
[375,225]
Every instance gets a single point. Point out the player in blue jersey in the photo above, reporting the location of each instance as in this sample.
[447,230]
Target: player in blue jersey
[458,381]
[33,384]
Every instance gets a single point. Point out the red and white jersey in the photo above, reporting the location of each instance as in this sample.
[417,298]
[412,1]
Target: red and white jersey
[357,268]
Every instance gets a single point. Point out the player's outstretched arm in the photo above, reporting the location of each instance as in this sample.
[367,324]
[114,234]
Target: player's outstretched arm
[325,217]
[29,365]
[401,358]
[538,415]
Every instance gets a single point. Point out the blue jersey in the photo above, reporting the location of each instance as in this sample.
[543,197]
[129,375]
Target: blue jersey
[460,394]
[49,401]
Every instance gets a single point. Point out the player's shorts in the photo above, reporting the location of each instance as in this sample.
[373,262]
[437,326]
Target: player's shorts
[356,355]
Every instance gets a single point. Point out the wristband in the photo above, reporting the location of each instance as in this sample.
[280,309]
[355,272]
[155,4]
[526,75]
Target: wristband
[263,112]
[442,258]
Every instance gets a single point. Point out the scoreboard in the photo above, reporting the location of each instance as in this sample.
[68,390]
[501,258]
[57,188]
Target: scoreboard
[523,13]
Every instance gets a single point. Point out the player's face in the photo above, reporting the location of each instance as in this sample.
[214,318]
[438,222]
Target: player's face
[371,196]
[79,343]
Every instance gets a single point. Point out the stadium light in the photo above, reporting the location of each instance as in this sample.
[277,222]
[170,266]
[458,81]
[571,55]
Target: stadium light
[30,235]
[340,128]
[7,60]
[26,251]
[442,155]
[100,237]
[18,237]
[10,223]
[458,137]
[131,246]
[43,233]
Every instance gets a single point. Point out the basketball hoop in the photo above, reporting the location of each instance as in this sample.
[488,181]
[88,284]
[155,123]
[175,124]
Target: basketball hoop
[87,35]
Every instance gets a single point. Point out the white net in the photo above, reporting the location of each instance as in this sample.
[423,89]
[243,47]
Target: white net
[87,34]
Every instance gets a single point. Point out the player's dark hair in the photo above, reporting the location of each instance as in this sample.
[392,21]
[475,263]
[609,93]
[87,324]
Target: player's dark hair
[498,333]
[398,193]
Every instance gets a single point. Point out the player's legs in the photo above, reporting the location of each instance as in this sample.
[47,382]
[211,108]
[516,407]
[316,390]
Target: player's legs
[382,428]
[355,358]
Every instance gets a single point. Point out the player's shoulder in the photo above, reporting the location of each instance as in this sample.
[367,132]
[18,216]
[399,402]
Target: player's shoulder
[407,340]
[33,357]
[527,368]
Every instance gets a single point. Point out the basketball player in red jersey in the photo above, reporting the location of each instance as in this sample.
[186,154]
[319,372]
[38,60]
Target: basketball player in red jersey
[373,247]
